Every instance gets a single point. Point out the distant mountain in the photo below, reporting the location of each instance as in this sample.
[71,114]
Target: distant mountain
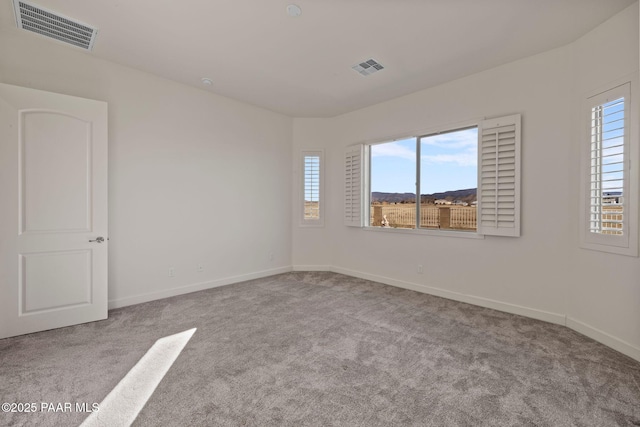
[393,197]
[455,194]
[467,195]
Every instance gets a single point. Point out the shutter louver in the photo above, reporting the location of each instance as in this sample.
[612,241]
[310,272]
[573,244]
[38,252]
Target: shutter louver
[353,186]
[499,177]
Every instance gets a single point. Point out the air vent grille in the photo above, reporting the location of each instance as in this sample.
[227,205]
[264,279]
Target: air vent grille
[368,67]
[33,18]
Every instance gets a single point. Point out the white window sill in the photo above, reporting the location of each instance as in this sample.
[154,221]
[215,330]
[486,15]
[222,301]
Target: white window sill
[617,250]
[438,233]
[310,224]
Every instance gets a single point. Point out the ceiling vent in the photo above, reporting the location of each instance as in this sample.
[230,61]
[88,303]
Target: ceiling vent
[49,24]
[368,67]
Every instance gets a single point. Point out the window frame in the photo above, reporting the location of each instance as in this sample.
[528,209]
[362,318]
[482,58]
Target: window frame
[418,136]
[311,222]
[627,244]
[358,190]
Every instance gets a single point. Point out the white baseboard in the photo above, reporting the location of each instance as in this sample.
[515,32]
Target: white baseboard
[560,319]
[604,338]
[166,293]
[312,268]
[546,316]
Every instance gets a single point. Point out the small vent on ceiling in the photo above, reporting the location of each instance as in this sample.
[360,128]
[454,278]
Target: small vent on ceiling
[368,67]
[49,24]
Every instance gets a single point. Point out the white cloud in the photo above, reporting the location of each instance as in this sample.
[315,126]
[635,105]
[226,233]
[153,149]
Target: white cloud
[461,159]
[393,149]
[460,139]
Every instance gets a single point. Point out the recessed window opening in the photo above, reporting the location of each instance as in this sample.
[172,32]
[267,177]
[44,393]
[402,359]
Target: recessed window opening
[607,195]
[425,182]
[465,179]
[609,214]
[312,188]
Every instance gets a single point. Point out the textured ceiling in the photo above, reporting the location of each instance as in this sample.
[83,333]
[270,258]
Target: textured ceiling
[254,52]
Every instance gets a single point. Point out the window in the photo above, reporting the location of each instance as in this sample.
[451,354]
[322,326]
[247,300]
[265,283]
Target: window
[608,198]
[464,179]
[392,184]
[312,209]
[426,182]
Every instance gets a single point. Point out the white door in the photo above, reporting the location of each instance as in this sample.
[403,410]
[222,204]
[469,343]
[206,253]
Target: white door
[53,208]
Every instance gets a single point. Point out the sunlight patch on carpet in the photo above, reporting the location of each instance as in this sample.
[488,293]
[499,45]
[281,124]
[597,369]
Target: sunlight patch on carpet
[123,404]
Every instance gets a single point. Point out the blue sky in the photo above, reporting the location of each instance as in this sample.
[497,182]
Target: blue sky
[612,146]
[447,162]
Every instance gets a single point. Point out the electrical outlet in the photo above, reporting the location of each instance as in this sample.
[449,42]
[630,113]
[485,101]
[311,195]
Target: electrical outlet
[420,269]
[172,272]
[271,256]
[200,268]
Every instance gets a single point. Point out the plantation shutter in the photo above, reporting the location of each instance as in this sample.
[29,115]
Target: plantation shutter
[499,177]
[353,167]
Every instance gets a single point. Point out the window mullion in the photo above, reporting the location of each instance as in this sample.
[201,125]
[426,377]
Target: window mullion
[418,198]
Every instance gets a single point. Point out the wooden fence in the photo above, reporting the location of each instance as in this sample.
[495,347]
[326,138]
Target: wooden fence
[464,217]
[443,217]
[612,216]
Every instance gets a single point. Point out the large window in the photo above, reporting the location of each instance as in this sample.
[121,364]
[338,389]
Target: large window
[609,201]
[464,179]
[427,182]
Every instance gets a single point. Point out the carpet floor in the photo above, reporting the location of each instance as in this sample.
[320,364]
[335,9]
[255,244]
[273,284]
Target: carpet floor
[324,349]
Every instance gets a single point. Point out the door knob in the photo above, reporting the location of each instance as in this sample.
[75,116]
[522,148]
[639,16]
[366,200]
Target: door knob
[98,239]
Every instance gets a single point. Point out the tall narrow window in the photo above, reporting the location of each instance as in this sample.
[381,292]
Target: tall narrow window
[312,188]
[608,200]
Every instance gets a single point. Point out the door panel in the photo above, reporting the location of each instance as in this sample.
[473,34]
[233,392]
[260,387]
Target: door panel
[53,201]
[55,172]
[54,280]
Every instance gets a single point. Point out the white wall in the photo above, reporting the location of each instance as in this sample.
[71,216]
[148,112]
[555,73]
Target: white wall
[605,295]
[194,178]
[543,274]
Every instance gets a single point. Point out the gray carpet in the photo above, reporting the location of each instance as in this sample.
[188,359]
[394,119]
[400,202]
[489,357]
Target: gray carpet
[322,349]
